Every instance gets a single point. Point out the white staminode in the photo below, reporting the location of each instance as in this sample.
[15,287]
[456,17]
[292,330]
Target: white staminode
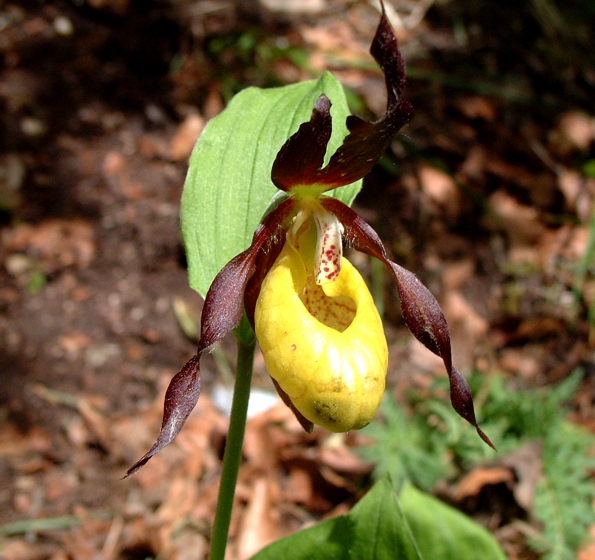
[329,248]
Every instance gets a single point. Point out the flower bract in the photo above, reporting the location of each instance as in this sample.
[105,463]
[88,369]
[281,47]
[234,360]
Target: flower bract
[319,331]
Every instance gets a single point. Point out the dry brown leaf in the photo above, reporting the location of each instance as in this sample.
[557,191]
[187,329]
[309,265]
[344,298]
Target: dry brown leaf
[298,488]
[110,548]
[260,450]
[525,255]
[180,501]
[335,479]
[186,136]
[197,441]
[520,221]
[475,163]
[527,465]
[84,541]
[131,436]
[477,107]
[441,189]
[18,549]
[118,7]
[188,545]
[13,443]
[336,41]
[341,459]
[114,164]
[526,361]
[59,483]
[471,484]
[214,103]
[207,502]
[422,360]
[73,343]
[467,328]
[567,242]
[537,327]
[575,132]
[516,174]
[118,176]
[456,274]
[99,424]
[570,182]
[153,146]
[513,539]
[58,243]
[260,522]
[587,551]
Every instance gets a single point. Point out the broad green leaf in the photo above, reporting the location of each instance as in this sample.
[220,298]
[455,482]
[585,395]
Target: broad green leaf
[445,533]
[375,529]
[228,186]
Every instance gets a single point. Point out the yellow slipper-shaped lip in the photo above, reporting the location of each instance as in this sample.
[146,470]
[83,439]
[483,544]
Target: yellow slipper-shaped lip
[334,373]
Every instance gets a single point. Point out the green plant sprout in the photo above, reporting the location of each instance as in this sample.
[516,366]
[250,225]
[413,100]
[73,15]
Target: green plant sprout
[290,288]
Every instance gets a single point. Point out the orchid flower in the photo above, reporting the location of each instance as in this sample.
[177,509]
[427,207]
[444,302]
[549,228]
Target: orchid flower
[318,328]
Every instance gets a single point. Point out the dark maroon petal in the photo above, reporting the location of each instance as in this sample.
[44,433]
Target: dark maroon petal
[462,401]
[425,320]
[300,160]
[358,233]
[301,157]
[180,399]
[265,261]
[423,314]
[421,311]
[221,313]
[304,422]
[224,304]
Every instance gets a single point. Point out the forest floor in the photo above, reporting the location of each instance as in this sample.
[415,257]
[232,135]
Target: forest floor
[487,196]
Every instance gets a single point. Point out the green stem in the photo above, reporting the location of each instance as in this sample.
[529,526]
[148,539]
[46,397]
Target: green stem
[235,439]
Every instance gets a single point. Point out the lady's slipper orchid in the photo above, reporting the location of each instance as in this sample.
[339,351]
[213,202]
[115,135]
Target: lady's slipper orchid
[315,320]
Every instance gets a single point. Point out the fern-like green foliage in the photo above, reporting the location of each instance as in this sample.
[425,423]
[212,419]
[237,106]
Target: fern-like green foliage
[405,448]
[564,497]
[525,414]
[430,443]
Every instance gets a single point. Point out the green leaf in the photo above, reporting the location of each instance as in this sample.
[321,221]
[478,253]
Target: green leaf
[228,186]
[413,526]
[375,529]
[443,532]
